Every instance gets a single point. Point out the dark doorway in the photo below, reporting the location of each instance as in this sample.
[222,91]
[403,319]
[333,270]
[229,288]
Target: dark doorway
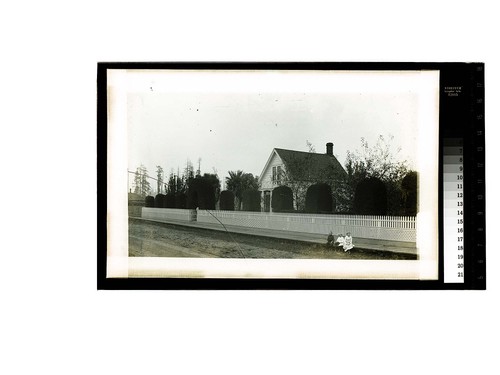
[267,201]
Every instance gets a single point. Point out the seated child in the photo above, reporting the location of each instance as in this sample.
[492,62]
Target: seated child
[348,242]
[330,240]
[340,240]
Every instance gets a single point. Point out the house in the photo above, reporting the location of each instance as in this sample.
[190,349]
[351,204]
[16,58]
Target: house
[297,170]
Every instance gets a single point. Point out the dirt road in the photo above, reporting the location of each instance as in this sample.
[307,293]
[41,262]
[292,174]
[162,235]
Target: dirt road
[167,240]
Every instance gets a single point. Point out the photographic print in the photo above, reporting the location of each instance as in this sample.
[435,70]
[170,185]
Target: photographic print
[272,173]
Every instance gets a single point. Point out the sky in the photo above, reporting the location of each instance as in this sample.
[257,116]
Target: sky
[230,121]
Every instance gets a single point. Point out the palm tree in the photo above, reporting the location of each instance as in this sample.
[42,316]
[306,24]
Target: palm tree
[234,183]
[238,182]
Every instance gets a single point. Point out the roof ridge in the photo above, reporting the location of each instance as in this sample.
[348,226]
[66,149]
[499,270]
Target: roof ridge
[304,152]
[320,158]
[313,154]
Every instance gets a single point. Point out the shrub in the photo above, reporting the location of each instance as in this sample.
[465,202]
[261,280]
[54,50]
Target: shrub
[370,197]
[192,198]
[227,200]
[170,200]
[180,200]
[251,200]
[160,201]
[395,200]
[319,199]
[150,201]
[282,199]
[207,199]
[201,194]
[409,187]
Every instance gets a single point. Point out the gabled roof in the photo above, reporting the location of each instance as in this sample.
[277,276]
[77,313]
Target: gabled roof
[307,165]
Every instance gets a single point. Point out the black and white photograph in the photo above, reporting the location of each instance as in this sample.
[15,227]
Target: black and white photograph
[267,173]
[221,187]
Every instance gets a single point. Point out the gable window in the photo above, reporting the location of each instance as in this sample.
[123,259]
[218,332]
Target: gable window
[277,173]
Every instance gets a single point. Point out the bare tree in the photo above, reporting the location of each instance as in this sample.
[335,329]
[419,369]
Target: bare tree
[198,172]
[310,147]
[379,161]
[141,183]
[159,179]
[189,170]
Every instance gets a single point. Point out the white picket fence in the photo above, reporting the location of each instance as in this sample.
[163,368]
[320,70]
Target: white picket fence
[391,228]
[394,228]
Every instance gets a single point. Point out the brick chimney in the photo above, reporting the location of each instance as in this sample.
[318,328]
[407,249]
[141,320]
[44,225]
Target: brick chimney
[329,148]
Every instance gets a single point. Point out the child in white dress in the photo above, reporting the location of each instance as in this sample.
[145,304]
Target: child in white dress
[348,245]
[340,240]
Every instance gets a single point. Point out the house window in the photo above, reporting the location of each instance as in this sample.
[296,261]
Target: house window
[277,173]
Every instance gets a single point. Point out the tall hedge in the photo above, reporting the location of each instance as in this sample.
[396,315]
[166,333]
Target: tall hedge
[170,200]
[409,187]
[160,201]
[227,200]
[282,199]
[180,200]
[370,197]
[319,199]
[251,200]
[192,199]
[149,201]
[201,194]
